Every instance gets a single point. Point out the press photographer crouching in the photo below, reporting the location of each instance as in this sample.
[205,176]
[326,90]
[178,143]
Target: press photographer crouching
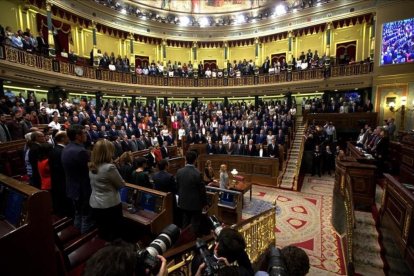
[288,261]
[227,257]
[124,259]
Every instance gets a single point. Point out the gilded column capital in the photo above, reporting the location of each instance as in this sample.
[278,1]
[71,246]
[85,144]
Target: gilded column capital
[328,25]
[194,44]
[49,6]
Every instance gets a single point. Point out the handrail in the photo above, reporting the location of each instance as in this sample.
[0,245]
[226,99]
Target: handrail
[18,56]
[258,232]
[298,165]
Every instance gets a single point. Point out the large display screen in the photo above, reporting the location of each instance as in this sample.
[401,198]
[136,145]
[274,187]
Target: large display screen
[397,42]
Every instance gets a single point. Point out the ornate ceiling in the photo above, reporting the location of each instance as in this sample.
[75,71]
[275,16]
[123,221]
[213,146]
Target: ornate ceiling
[218,20]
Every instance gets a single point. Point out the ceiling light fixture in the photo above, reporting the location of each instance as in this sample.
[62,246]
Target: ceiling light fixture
[240,19]
[204,22]
[184,20]
[280,10]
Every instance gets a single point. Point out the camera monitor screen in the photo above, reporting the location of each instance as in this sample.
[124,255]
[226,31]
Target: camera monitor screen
[397,44]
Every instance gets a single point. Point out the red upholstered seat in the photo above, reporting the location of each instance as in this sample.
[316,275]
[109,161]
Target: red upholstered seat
[239,178]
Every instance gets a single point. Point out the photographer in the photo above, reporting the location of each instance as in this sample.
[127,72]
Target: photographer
[229,252]
[119,258]
[288,261]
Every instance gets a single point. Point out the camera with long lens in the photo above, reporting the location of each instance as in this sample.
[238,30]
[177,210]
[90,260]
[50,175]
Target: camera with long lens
[212,264]
[216,225]
[277,265]
[147,258]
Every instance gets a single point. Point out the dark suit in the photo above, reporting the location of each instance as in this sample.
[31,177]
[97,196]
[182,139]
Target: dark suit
[75,160]
[238,149]
[164,152]
[272,150]
[165,182]
[62,206]
[191,196]
[250,151]
[210,149]
[221,150]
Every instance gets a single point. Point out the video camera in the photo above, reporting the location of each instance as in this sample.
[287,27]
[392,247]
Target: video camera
[147,258]
[212,264]
[277,265]
[216,225]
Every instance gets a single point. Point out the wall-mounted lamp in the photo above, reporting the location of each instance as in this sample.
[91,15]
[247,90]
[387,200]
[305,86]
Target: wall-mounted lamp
[391,105]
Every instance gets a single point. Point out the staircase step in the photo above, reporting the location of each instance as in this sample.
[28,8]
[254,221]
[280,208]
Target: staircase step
[373,259]
[367,270]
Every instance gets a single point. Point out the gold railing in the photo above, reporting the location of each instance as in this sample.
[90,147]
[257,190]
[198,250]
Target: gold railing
[258,232]
[15,55]
[298,165]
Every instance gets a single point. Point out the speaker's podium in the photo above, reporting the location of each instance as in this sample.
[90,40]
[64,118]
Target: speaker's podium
[229,205]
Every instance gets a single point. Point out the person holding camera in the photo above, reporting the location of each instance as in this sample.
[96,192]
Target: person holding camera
[288,261]
[229,256]
[119,258]
[192,197]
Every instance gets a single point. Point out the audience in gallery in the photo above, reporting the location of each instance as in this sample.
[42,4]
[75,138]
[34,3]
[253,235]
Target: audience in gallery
[237,69]
[336,104]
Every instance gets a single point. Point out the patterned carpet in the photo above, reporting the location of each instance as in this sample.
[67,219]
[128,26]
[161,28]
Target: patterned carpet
[303,219]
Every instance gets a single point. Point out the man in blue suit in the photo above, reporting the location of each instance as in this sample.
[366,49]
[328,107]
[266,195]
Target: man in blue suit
[75,160]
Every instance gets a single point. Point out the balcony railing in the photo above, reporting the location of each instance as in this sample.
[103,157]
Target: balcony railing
[15,55]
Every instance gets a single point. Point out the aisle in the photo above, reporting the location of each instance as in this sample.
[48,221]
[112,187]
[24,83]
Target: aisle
[304,219]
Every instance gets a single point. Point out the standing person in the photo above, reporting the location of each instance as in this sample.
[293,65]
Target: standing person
[75,160]
[37,139]
[328,160]
[208,176]
[316,161]
[140,176]
[105,199]
[163,180]
[191,193]
[61,204]
[224,177]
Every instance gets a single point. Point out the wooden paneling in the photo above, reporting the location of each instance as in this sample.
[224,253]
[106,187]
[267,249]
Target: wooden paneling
[258,170]
[397,212]
[345,122]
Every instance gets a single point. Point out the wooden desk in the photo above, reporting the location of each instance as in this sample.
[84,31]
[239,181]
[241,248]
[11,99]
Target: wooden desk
[397,214]
[358,154]
[262,171]
[241,187]
[361,178]
[26,234]
[151,208]
[229,205]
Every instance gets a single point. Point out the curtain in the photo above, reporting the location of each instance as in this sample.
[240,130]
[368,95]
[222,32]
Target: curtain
[345,52]
[62,34]
[212,64]
[278,57]
[141,61]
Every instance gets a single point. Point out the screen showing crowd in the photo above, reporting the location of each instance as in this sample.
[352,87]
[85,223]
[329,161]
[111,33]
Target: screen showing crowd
[397,42]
